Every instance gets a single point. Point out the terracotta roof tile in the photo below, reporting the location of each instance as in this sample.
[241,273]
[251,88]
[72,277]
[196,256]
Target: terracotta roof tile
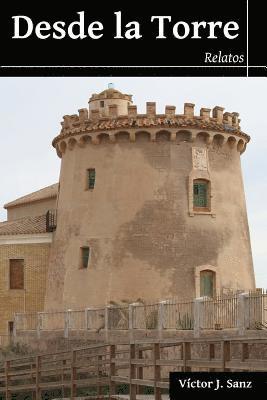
[143,121]
[26,225]
[42,194]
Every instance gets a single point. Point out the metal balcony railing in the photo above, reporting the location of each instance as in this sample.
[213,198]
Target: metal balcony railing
[51,220]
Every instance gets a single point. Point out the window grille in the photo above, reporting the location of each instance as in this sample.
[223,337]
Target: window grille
[91,178]
[201,194]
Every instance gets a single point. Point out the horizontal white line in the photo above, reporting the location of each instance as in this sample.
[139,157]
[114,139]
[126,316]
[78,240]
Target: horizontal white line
[26,238]
[132,66]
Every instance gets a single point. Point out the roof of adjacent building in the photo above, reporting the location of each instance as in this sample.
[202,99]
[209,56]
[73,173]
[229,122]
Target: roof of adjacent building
[42,194]
[25,225]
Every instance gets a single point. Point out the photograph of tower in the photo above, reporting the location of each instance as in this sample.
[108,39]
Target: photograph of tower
[142,233]
[149,205]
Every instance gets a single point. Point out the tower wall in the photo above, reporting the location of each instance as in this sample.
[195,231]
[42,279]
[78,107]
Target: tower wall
[146,239]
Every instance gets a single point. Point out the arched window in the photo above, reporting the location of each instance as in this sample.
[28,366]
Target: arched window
[207,283]
[201,194]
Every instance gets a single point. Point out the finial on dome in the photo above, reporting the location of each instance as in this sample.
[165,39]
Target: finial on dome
[111,86]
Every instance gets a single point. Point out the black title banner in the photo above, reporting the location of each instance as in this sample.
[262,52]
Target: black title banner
[174,39]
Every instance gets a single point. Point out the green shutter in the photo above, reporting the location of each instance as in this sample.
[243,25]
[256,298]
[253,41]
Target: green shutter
[85,256]
[91,178]
[200,194]
[207,283]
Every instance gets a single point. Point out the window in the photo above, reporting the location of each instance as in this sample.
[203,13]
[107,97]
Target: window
[102,103]
[201,191]
[10,328]
[16,274]
[91,178]
[207,283]
[85,254]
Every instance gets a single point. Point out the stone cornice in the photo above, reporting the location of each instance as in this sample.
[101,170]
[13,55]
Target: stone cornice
[144,122]
[88,127]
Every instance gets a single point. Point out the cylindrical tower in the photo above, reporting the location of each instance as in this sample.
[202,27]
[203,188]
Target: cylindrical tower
[150,205]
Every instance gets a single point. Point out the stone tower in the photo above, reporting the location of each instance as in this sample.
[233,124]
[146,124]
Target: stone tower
[150,205]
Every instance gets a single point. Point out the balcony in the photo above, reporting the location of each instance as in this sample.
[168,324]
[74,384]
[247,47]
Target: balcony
[51,220]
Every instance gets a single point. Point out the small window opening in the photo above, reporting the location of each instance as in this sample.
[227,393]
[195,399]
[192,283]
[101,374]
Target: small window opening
[10,328]
[16,274]
[91,178]
[102,103]
[85,254]
[207,283]
[201,195]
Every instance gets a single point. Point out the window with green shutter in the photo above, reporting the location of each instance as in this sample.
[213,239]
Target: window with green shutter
[91,178]
[207,283]
[201,189]
[85,254]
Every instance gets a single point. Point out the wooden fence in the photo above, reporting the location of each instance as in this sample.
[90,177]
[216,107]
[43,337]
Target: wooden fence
[109,370]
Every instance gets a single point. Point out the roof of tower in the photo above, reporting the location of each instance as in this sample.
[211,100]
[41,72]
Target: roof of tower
[110,93]
[42,194]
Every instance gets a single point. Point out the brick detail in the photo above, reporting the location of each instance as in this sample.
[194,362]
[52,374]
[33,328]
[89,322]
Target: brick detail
[30,299]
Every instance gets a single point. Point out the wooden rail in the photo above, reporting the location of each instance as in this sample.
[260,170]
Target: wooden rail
[107,370]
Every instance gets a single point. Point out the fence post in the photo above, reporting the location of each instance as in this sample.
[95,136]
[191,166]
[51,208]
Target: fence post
[112,369]
[73,374]
[243,313]
[15,325]
[39,324]
[66,323]
[86,316]
[107,323]
[198,315]
[211,355]
[157,371]
[99,375]
[132,372]
[7,366]
[37,378]
[140,372]
[186,356]
[161,317]
[226,353]
[131,320]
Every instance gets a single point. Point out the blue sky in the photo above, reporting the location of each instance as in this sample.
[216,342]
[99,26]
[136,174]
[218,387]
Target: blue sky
[32,108]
